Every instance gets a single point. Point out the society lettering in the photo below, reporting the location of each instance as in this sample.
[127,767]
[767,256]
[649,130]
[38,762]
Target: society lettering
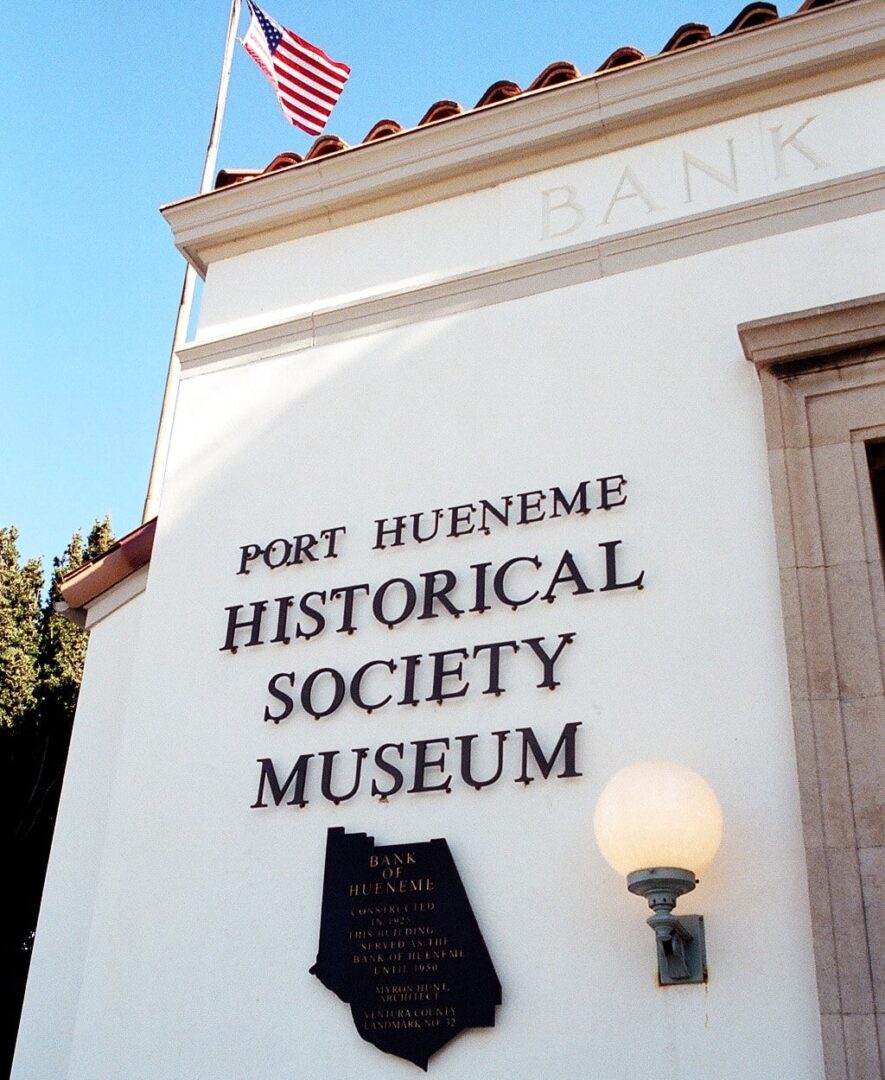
[402,678]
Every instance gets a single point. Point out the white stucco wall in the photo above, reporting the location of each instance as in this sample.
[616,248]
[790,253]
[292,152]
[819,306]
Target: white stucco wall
[204,935]
[763,154]
[204,913]
[72,878]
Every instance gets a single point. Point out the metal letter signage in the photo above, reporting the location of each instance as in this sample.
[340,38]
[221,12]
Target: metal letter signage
[399,943]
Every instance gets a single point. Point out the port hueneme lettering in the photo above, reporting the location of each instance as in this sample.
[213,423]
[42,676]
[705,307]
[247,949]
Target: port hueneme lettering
[408,679]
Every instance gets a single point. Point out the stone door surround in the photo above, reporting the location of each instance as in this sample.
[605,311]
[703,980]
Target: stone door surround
[822,374]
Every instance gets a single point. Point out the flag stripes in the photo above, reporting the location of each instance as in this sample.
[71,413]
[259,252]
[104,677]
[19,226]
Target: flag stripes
[307,82]
[311,86]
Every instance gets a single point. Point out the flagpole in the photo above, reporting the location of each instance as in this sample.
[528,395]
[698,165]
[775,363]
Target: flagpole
[185,304]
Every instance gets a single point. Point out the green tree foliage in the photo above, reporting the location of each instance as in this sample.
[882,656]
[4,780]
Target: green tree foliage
[41,664]
[63,645]
[20,619]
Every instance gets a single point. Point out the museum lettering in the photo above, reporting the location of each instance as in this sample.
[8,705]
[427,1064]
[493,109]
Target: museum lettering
[403,678]
[429,765]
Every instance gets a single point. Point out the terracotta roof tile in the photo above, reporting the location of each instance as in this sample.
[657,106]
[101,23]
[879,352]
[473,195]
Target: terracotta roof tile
[324,145]
[753,16]
[382,129]
[499,91]
[625,55]
[559,71]
[440,110]
[123,558]
[283,161]
[229,177]
[689,34]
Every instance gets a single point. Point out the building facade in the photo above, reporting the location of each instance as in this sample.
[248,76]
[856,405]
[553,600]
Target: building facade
[512,449]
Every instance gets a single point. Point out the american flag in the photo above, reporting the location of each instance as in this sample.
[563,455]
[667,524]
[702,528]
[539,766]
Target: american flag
[306,81]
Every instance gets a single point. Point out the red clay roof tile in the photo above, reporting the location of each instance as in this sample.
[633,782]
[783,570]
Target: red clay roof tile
[625,55]
[499,91]
[128,554]
[688,34]
[229,177]
[753,15]
[284,160]
[324,145]
[440,110]
[559,71]
[382,129]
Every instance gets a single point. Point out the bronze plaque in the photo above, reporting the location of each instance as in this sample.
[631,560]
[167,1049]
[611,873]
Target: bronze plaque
[399,943]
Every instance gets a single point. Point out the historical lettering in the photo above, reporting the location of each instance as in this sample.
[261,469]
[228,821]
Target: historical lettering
[442,676]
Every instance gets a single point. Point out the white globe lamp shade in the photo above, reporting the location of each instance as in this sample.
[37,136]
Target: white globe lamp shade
[657,814]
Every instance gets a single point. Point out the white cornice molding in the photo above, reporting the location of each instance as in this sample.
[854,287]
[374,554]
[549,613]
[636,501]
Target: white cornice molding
[815,52]
[813,205]
[115,597]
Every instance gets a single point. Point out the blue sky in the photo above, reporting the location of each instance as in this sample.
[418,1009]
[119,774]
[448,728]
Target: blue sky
[105,116]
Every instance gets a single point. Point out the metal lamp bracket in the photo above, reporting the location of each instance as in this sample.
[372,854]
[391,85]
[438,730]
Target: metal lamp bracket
[682,954]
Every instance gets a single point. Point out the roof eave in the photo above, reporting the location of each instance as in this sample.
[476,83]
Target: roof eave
[814,51]
[88,582]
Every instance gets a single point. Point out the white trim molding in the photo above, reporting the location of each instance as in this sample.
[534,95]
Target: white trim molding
[115,597]
[772,215]
[811,53]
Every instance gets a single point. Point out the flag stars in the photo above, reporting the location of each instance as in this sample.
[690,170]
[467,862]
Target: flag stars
[307,81]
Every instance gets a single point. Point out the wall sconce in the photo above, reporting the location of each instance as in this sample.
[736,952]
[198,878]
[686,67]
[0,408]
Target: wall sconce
[658,824]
